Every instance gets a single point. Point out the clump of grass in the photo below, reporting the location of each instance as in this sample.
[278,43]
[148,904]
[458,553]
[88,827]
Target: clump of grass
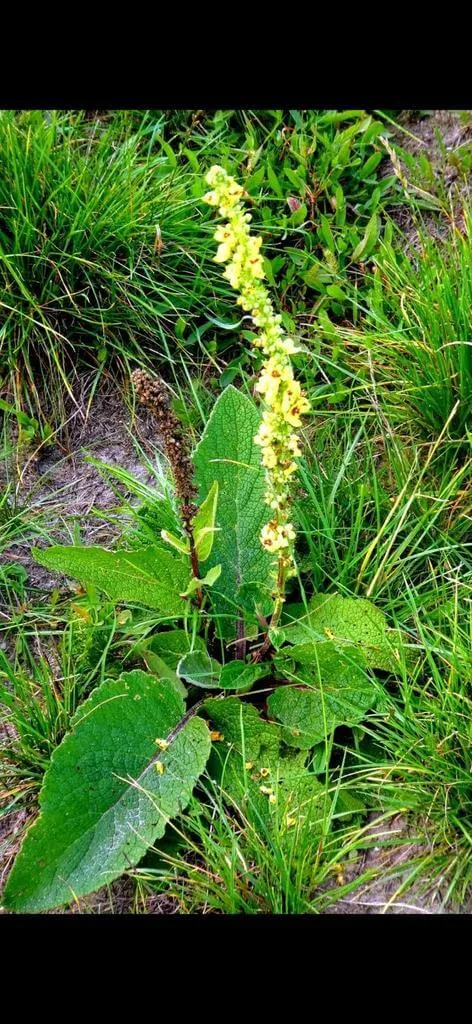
[55,659]
[103,254]
[415,340]
[101,248]
[374,513]
[421,754]
[221,857]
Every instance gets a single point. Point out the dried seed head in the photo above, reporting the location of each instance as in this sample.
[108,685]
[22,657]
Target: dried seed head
[152,393]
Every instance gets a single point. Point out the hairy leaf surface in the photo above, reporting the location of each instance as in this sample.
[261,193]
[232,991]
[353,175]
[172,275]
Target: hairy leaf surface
[103,802]
[152,577]
[227,454]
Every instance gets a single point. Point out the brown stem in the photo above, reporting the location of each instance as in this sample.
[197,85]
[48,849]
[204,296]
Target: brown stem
[178,728]
[240,648]
[188,511]
[153,394]
[183,721]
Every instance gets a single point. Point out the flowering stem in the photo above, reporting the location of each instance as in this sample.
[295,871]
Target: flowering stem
[279,603]
[284,401]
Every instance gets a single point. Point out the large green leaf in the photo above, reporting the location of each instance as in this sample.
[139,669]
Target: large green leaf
[152,577]
[103,802]
[346,621]
[227,454]
[282,800]
[337,691]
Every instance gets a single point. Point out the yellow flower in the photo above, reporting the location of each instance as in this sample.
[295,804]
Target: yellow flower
[269,458]
[284,400]
[213,174]
[273,374]
[233,275]
[289,347]
[223,252]
[293,446]
[263,435]
[294,404]
[276,536]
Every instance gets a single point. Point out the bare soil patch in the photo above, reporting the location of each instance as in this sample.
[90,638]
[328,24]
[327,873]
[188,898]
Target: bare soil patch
[390,862]
[438,136]
[61,482]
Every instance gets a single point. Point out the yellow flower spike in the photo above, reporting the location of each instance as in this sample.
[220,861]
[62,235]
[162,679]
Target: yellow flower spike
[272,798]
[162,744]
[160,767]
[282,395]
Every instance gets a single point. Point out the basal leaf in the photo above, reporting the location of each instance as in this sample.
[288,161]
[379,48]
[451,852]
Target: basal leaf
[334,689]
[172,644]
[159,668]
[227,454]
[103,803]
[162,653]
[243,727]
[346,620]
[238,675]
[152,577]
[199,669]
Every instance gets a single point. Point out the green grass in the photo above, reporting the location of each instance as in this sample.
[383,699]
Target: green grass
[415,341]
[101,247]
[104,255]
[222,857]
